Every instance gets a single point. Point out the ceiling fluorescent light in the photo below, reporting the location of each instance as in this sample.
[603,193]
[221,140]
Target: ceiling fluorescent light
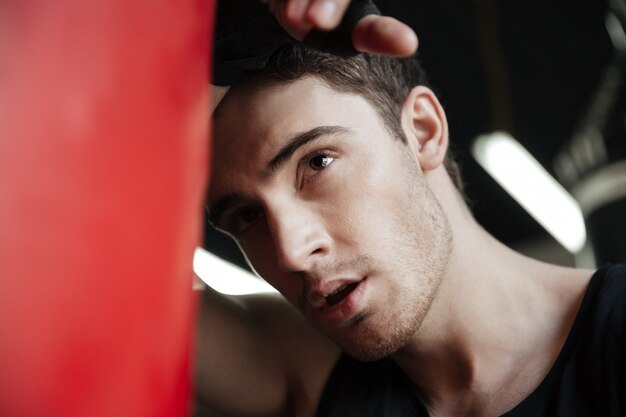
[225,277]
[515,169]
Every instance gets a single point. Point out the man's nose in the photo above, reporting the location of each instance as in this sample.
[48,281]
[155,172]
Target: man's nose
[300,237]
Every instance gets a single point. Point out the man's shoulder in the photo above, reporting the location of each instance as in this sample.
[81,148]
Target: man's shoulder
[608,286]
[615,274]
[598,363]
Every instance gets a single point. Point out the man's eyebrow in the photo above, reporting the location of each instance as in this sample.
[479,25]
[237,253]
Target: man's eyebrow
[285,153]
[217,209]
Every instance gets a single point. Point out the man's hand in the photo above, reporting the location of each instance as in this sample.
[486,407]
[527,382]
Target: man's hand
[374,34]
[248,32]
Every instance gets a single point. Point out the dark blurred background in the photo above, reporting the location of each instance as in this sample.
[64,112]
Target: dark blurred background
[549,73]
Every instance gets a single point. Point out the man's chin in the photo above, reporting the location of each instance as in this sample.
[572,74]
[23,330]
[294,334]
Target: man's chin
[369,338]
[367,345]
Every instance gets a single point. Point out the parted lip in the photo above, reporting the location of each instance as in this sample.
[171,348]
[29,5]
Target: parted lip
[317,295]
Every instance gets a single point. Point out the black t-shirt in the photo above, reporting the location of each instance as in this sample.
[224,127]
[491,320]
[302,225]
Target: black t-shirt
[587,379]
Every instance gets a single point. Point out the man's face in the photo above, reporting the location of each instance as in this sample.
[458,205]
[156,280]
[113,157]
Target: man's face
[330,210]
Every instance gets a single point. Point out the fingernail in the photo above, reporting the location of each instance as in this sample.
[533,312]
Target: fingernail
[325,13]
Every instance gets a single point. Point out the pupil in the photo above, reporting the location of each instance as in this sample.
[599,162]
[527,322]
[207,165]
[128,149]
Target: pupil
[319,162]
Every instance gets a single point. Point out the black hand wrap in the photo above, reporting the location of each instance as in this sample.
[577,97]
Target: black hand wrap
[247,34]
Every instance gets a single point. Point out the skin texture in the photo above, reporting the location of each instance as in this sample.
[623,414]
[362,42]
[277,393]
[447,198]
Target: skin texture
[366,215]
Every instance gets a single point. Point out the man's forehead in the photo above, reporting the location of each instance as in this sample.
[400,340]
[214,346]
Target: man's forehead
[265,98]
[263,116]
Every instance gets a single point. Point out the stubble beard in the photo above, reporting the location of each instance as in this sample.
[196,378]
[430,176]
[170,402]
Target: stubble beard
[370,335]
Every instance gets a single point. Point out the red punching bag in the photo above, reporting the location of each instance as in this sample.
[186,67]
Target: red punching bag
[103,163]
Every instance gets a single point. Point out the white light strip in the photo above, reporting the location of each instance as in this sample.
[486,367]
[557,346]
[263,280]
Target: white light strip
[615,31]
[225,277]
[515,169]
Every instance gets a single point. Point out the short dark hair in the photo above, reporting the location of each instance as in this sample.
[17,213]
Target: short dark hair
[383,81]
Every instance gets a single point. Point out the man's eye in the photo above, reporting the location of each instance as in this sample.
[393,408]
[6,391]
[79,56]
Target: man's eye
[320,162]
[246,218]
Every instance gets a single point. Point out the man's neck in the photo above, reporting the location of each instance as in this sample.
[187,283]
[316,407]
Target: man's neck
[494,330]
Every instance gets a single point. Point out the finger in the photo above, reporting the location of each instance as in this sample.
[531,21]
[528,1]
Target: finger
[295,12]
[384,35]
[326,14]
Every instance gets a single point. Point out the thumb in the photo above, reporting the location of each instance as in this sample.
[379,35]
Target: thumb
[384,35]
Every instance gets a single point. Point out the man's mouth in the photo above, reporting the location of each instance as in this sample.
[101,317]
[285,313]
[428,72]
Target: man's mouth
[340,293]
[341,304]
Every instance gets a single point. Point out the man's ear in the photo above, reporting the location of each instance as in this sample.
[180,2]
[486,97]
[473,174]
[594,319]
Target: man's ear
[426,128]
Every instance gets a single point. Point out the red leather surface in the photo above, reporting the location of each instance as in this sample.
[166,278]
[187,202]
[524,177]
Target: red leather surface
[103,163]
